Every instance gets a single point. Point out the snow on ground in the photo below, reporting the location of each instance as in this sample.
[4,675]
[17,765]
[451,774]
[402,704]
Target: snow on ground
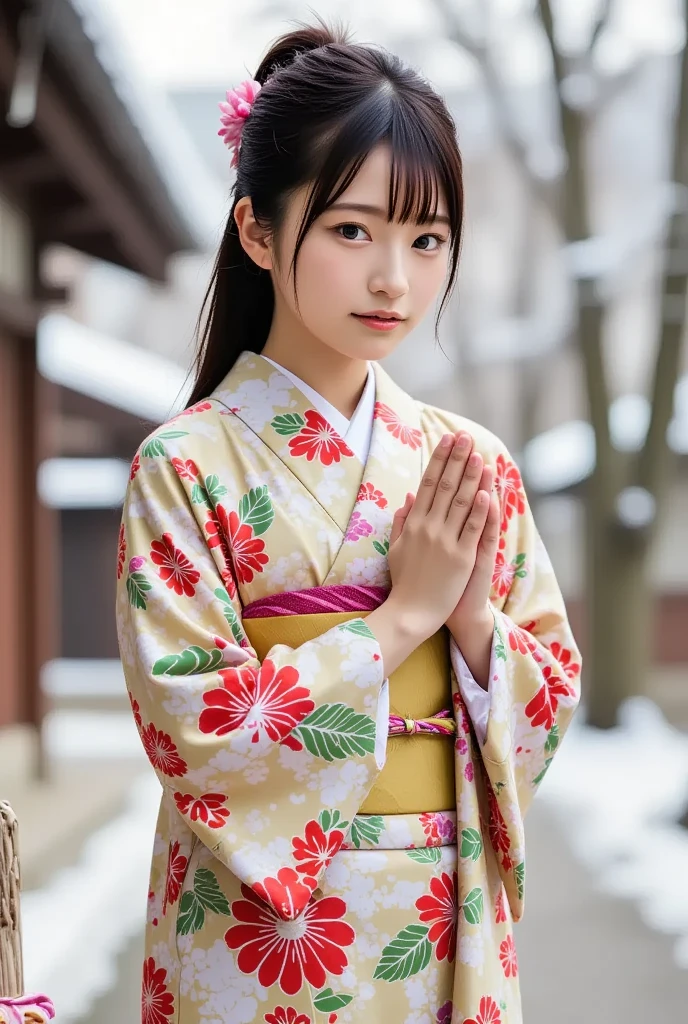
[618,795]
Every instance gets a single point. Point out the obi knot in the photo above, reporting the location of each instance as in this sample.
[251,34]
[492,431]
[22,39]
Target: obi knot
[441,724]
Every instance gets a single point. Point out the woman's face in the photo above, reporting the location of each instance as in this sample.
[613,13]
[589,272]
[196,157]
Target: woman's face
[354,262]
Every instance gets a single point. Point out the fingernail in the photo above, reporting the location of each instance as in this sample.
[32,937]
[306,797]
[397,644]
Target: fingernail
[463,441]
[474,460]
[446,440]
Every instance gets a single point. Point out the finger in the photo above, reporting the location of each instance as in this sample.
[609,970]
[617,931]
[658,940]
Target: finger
[475,523]
[469,486]
[489,541]
[451,478]
[400,517]
[432,476]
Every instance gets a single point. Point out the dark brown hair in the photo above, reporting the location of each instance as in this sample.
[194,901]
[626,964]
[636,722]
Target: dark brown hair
[324,105]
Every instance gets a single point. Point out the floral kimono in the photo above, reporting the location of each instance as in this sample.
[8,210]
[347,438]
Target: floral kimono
[272,899]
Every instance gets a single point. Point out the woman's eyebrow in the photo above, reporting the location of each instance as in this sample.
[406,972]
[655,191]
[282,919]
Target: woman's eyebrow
[377,211]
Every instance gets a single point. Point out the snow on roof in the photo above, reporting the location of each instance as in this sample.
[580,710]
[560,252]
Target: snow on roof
[197,194]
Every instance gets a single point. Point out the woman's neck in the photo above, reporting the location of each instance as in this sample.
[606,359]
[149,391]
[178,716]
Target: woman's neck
[338,378]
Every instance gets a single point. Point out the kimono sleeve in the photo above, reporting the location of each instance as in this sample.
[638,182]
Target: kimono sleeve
[266,763]
[534,679]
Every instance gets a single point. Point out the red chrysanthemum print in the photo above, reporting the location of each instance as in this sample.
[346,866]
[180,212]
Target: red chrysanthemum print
[162,752]
[137,712]
[488,1013]
[207,808]
[264,700]
[176,871]
[187,469]
[286,1015]
[218,529]
[542,709]
[135,466]
[198,407]
[305,947]
[249,551]
[440,907]
[522,642]
[175,568]
[500,908]
[315,851]
[565,659]
[507,954]
[430,826]
[499,833]
[410,436]
[318,440]
[157,1003]
[510,490]
[368,492]
[121,552]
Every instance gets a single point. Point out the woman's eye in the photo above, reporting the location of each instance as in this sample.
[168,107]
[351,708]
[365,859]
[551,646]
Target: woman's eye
[429,243]
[351,232]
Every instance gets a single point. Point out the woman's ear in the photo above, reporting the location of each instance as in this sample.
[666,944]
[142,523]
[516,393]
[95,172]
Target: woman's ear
[254,239]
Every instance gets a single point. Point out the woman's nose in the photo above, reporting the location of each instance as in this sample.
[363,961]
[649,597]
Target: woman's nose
[390,278]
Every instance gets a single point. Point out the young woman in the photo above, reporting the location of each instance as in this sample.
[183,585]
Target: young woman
[347,655]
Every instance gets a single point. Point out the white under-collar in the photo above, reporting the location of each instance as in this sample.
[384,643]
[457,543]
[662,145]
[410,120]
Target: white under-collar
[358,430]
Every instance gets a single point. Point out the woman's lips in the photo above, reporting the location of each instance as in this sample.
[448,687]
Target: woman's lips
[378,323]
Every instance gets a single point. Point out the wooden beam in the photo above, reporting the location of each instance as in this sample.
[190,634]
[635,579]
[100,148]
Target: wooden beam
[75,220]
[67,142]
[18,313]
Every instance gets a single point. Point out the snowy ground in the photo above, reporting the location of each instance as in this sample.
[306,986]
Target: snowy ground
[619,795]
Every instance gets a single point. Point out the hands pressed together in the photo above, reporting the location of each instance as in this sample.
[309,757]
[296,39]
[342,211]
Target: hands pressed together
[443,548]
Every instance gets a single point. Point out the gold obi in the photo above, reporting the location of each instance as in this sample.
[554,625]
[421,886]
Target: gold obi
[418,774]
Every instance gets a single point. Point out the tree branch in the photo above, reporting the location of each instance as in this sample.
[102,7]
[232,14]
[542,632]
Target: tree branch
[654,458]
[600,25]
[479,50]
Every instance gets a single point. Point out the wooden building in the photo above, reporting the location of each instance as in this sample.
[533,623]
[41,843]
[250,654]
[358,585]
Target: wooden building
[75,169]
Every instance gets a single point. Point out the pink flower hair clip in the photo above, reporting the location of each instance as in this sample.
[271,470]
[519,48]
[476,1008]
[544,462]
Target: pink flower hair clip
[235,110]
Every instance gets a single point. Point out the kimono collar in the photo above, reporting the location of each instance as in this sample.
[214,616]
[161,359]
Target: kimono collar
[271,406]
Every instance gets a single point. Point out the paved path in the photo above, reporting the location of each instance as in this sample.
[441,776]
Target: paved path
[585,956]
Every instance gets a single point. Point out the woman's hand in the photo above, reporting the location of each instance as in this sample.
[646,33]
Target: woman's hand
[435,537]
[471,622]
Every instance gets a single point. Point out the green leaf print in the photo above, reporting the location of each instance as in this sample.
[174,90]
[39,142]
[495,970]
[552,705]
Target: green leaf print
[230,615]
[500,649]
[473,906]
[205,895]
[328,1001]
[288,424]
[155,449]
[552,739]
[336,731]
[519,564]
[520,875]
[471,843]
[426,855]
[255,509]
[538,778]
[408,953]
[382,549]
[191,916]
[192,660]
[209,494]
[332,819]
[366,828]
[358,627]
[137,588]
[208,892]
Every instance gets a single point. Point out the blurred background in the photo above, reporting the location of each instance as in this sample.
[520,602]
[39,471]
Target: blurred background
[566,337]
